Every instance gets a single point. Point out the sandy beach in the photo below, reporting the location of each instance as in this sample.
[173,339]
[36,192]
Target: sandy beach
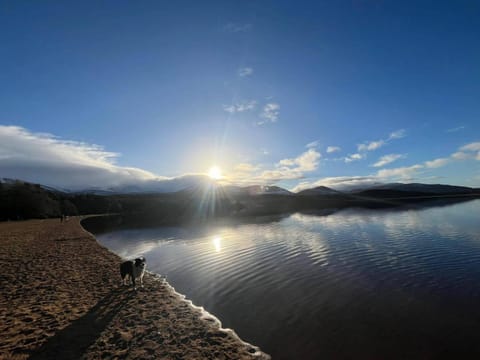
[61,298]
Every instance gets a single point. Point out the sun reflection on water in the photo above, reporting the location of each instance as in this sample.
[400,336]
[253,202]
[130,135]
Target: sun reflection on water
[217,243]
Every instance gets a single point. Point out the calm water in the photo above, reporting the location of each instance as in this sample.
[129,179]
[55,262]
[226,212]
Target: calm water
[354,284]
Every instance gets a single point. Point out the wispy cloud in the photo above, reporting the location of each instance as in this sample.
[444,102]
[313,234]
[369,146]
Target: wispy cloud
[312,144]
[404,173]
[460,155]
[397,134]
[388,159]
[377,144]
[242,106]
[472,150]
[332,149]
[458,128]
[245,71]
[373,145]
[469,151]
[237,27]
[437,163]
[270,113]
[475,146]
[354,157]
[46,159]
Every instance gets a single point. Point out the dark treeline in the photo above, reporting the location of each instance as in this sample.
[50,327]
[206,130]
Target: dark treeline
[21,200]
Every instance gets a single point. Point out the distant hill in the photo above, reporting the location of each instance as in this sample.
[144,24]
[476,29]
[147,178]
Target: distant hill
[319,190]
[418,189]
[266,190]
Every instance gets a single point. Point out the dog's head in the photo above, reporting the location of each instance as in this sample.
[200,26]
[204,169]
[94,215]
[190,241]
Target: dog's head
[140,262]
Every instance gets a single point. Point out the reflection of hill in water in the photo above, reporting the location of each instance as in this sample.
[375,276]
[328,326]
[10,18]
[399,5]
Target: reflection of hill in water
[103,224]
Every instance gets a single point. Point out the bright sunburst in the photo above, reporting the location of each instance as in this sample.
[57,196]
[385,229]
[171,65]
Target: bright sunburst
[215,173]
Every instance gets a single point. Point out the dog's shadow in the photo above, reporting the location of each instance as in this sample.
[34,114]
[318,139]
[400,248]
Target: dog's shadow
[72,341]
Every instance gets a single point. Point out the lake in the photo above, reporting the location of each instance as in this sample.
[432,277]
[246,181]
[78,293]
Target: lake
[356,283]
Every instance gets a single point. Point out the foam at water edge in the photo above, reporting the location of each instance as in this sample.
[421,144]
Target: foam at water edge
[253,350]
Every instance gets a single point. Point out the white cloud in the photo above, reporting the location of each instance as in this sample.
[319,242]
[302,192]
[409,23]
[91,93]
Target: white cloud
[312,144]
[293,168]
[455,129]
[46,159]
[339,183]
[270,113]
[354,157]
[460,155]
[397,134]
[332,149]
[373,145]
[242,106]
[287,162]
[308,161]
[475,146]
[285,169]
[468,151]
[237,28]
[245,71]
[437,163]
[388,159]
[404,173]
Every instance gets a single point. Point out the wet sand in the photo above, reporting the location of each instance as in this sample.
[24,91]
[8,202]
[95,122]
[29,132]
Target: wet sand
[61,298]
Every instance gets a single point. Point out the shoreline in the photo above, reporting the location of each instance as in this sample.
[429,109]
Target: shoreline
[61,298]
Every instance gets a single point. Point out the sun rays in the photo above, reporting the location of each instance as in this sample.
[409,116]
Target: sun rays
[215,173]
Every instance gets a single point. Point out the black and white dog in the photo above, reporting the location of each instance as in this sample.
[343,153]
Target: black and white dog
[135,269]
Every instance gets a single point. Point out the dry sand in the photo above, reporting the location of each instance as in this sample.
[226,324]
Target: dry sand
[61,299]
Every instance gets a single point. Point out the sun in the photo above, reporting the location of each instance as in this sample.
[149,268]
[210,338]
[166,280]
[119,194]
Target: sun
[215,173]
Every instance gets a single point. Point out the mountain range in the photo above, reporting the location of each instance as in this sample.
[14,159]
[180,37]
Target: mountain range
[190,182]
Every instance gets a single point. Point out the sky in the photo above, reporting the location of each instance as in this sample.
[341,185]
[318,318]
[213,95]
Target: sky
[292,93]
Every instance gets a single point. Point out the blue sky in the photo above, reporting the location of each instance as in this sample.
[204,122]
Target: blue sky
[294,93]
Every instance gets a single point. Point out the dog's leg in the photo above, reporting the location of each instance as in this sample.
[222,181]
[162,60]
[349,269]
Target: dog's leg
[133,282]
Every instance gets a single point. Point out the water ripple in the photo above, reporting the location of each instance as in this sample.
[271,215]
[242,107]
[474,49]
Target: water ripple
[355,284]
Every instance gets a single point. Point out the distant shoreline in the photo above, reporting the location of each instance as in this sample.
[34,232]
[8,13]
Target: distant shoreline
[61,299]
[103,223]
